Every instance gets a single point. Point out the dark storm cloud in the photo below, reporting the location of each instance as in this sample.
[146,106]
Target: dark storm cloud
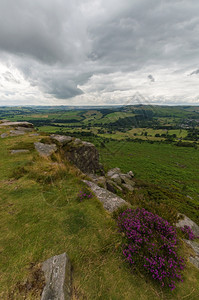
[151,78]
[46,30]
[149,32]
[195,72]
[59,45]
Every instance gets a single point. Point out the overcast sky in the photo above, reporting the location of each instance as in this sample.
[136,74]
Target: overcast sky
[97,52]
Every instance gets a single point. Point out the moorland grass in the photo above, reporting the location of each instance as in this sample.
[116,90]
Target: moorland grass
[164,173]
[41,216]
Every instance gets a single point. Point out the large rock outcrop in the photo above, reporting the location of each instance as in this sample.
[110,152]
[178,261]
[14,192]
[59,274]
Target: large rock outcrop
[16,124]
[83,154]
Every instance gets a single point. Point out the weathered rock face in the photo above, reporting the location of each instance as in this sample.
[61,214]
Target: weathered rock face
[45,149]
[109,200]
[194,259]
[58,277]
[188,222]
[193,244]
[83,154]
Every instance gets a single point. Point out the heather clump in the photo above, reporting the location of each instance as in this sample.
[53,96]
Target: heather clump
[188,233]
[151,244]
[84,194]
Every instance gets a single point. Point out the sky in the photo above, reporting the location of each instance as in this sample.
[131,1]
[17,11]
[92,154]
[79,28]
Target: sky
[99,52]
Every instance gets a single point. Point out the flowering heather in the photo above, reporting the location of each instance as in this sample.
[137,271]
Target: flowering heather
[151,244]
[83,194]
[188,232]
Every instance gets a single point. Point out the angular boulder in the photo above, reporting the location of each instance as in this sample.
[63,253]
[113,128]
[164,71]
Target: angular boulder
[45,149]
[58,278]
[62,139]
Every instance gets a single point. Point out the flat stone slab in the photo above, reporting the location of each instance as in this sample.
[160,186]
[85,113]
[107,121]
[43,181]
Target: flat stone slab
[109,200]
[16,132]
[62,139]
[26,129]
[4,135]
[45,149]
[58,278]
[4,121]
[188,222]
[16,124]
[19,151]
[195,246]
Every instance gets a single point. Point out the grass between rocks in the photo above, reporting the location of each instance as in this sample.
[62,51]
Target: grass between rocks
[165,173]
[41,217]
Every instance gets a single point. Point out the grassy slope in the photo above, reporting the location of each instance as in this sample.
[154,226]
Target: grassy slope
[171,167]
[41,217]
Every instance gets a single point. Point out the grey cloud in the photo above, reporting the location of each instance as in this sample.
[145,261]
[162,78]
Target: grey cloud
[151,78]
[195,72]
[62,89]
[46,30]
[60,45]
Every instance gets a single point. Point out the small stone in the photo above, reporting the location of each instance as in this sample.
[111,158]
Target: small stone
[34,134]
[128,187]
[112,186]
[131,174]
[45,149]
[126,180]
[113,171]
[62,139]
[26,129]
[16,132]
[116,178]
[4,135]
[58,277]
[19,151]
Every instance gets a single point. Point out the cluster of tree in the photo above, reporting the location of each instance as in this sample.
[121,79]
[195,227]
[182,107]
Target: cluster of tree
[193,135]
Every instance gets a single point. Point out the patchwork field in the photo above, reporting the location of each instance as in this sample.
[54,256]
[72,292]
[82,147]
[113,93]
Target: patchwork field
[41,214]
